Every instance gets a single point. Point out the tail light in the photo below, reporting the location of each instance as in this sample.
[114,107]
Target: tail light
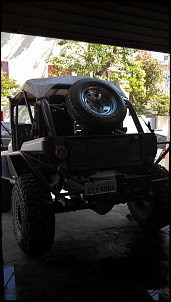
[163,150]
[62,168]
[2,116]
[61,152]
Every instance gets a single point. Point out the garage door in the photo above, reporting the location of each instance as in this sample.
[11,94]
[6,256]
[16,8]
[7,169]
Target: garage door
[129,24]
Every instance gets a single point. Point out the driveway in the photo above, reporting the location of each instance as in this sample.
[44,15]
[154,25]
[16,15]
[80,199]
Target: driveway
[96,257]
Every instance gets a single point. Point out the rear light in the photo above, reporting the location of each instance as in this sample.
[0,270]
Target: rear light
[164,149]
[61,152]
[62,168]
[2,116]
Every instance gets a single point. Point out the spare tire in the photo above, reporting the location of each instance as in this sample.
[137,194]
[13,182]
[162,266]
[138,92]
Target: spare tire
[96,105]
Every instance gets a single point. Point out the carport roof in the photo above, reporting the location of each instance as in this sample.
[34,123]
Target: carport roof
[141,25]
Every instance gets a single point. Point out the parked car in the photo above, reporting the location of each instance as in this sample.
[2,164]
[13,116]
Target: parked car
[162,143]
[5,135]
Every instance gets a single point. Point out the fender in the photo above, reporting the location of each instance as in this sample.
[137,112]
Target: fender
[7,169]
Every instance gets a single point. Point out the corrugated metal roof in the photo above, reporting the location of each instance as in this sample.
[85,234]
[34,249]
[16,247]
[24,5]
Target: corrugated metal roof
[130,24]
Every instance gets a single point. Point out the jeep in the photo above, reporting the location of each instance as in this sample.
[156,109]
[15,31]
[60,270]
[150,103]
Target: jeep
[69,151]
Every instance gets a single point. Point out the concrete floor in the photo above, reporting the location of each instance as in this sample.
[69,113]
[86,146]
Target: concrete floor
[105,257]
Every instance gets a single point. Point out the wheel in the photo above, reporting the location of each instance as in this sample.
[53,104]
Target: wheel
[33,216]
[6,194]
[95,105]
[151,207]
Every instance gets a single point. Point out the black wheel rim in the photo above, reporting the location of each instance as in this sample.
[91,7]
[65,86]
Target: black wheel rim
[144,202]
[99,100]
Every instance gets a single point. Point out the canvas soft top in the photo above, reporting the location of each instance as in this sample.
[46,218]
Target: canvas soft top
[40,87]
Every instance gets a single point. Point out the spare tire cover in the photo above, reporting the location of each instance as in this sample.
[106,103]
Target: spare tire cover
[96,105]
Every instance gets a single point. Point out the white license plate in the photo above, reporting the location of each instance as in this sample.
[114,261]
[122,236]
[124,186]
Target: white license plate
[100,187]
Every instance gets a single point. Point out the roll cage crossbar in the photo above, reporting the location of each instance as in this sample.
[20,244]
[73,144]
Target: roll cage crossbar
[45,106]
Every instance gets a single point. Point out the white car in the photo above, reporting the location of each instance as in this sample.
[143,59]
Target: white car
[162,146]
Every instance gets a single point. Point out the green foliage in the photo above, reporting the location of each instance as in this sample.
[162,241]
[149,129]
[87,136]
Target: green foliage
[161,105]
[154,78]
[136,71]
[86,59]
[131,77]
[8,87]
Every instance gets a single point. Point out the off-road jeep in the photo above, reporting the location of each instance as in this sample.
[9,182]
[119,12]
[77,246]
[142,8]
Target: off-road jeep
[69,151]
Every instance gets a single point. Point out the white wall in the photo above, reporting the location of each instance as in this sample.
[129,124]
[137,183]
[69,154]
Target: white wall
[27,55]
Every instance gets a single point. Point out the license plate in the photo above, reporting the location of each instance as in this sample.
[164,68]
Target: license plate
[100,187]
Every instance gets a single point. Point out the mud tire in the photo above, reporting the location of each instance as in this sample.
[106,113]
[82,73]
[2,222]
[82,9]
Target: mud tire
[151,208]
[33,216]
[96,105]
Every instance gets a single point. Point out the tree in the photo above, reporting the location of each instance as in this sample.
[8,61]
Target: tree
[161,105]
[8,87]
[131,77]
[136,71]
[154,77]
[101,61]
[91,60]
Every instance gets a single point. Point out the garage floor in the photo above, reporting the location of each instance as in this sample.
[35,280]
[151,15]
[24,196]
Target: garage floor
[105,257]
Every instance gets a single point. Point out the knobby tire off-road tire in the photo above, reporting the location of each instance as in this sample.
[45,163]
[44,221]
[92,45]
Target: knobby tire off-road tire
[95,105]
[6,195]
[33,216]
[151,208]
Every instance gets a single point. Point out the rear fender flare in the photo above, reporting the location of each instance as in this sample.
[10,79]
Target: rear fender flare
[7,168]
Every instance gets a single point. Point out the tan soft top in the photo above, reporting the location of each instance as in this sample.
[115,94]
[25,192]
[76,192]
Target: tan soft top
[40,87]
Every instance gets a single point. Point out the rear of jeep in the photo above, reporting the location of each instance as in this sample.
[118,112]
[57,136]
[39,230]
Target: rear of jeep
[71,152]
